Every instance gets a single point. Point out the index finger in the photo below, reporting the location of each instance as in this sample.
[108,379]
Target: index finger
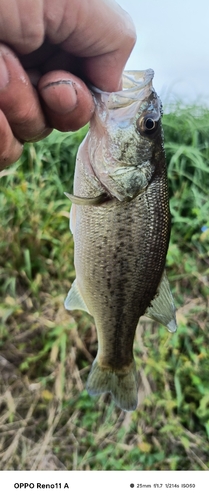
[102,35]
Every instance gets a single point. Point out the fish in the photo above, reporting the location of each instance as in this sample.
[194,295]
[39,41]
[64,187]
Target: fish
[120,220]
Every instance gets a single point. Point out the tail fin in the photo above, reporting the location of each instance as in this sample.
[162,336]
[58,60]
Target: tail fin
[123,386]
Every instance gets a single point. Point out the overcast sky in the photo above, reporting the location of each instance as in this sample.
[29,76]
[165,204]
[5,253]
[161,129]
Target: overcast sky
[173,39]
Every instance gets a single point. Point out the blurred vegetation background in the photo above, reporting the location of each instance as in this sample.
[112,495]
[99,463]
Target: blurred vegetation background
[47,419]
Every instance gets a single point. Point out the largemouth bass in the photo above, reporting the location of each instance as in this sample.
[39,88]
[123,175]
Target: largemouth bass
[120,221]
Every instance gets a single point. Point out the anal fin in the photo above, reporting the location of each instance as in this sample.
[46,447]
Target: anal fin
[162,307]
[74,300]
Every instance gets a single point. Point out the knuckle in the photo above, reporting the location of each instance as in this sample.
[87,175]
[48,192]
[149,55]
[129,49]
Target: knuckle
[31,34]
[10,155]
[10,148]
[131,36]
[32,39]
[29,123]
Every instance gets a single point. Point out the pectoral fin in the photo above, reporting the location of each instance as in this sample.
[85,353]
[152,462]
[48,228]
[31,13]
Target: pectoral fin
[79,200]
[74,300]
[162,308]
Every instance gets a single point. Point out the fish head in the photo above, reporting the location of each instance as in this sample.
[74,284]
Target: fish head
[126,135]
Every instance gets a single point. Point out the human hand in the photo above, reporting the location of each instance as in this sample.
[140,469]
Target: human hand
[58,46]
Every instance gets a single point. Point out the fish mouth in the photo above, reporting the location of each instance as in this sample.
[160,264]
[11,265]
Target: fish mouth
[137,79]
[137,85]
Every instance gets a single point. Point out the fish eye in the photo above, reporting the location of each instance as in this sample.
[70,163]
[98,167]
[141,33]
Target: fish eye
[147,125]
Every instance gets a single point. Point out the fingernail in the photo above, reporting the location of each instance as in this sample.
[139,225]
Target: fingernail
[4,75]
[60,96]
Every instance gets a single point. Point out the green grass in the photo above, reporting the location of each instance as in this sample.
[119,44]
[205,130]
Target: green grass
[47,419]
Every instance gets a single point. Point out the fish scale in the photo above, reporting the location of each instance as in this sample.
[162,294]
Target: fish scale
[121,244]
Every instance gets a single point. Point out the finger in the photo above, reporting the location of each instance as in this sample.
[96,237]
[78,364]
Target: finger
[10,147]
[68,103]
[101,33]
[19,100]
[22,24]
